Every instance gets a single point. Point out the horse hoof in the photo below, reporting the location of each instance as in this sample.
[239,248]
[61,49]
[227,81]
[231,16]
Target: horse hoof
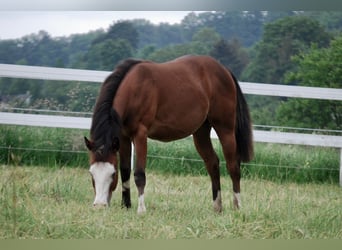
[141,210]
[218,209]
[237,201]
[218,203]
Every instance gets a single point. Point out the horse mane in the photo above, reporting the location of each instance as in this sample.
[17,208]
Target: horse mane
[106,123]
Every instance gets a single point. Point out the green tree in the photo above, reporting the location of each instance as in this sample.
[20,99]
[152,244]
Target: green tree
[281,40]
[230,54]
[244,25]
[317,68]
[202,43]
[105,55]
[331,20]
[205,39]
[170,52]
[271,59]
[120,30]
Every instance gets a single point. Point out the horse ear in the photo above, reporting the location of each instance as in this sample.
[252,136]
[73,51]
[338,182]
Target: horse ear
[88,143]
[116,144]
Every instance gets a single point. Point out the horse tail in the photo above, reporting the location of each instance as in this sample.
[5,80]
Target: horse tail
[243,127]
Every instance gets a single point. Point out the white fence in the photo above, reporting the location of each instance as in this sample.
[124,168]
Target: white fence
[47,73]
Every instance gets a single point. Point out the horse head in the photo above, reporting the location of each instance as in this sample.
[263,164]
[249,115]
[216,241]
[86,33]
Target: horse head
[103,170]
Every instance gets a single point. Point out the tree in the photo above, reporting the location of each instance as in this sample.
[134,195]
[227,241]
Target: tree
[317,68]
[331,20]
[271,59]
[281,40]
[120,30]
[204,40]
[105,55]
[231,55]
[170,52]
[244,25]
[201,44]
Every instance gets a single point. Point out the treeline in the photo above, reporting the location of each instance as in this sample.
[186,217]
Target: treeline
[297,48]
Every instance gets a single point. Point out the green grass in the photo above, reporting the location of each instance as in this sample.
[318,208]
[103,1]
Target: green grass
[42,146]
[275,162]
[54,147]
[55,203]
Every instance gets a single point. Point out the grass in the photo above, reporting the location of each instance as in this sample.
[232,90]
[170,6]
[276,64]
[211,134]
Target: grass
[42,146]
[288,192]
[275,162]
[55,203]
[55,147]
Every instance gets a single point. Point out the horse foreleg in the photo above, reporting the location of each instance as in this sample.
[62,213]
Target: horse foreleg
[125,171]
[140,143]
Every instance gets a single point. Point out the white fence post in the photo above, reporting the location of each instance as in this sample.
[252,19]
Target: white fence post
[132,156]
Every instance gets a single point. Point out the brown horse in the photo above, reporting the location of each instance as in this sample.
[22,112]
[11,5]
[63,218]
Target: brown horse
[167,101]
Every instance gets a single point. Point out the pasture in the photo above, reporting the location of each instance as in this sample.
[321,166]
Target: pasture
[288,192]
[55,203]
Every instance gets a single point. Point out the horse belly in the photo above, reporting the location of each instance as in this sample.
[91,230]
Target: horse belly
[177,127]
[166,134]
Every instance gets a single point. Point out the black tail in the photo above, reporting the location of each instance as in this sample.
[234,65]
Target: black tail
[243,129]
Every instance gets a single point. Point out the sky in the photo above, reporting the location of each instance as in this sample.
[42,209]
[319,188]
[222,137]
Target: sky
[16,24]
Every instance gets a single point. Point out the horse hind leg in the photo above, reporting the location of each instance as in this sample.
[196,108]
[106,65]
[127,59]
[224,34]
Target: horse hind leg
[228,142]
[205,149]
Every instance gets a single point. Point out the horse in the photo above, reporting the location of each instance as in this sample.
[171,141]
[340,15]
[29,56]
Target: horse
[167,101]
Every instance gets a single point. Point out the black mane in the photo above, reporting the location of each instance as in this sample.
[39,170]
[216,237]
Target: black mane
[105,127]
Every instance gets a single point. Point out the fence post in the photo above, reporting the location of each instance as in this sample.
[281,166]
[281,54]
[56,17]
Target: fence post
[132,155]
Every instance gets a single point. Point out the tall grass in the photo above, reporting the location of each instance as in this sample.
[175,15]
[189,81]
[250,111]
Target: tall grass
[54,147]
[48,147]
[278,163]
[51,203]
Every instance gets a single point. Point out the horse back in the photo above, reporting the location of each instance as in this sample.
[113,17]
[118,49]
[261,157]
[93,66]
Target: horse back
[173,99]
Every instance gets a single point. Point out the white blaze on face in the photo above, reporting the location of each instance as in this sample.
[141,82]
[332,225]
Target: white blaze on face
[102,173]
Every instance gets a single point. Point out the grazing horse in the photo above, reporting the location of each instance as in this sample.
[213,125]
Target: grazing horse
[167,101]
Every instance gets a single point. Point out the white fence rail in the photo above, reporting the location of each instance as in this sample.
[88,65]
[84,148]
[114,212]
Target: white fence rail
[48,73]
[57,121]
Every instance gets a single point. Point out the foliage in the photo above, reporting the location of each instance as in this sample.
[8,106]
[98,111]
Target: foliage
[201,44]
[160,36]
[331,20]
[105,55]
[120,30]
[246,26]
[231,55]
[281,40]
[317,68]
[271,59]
